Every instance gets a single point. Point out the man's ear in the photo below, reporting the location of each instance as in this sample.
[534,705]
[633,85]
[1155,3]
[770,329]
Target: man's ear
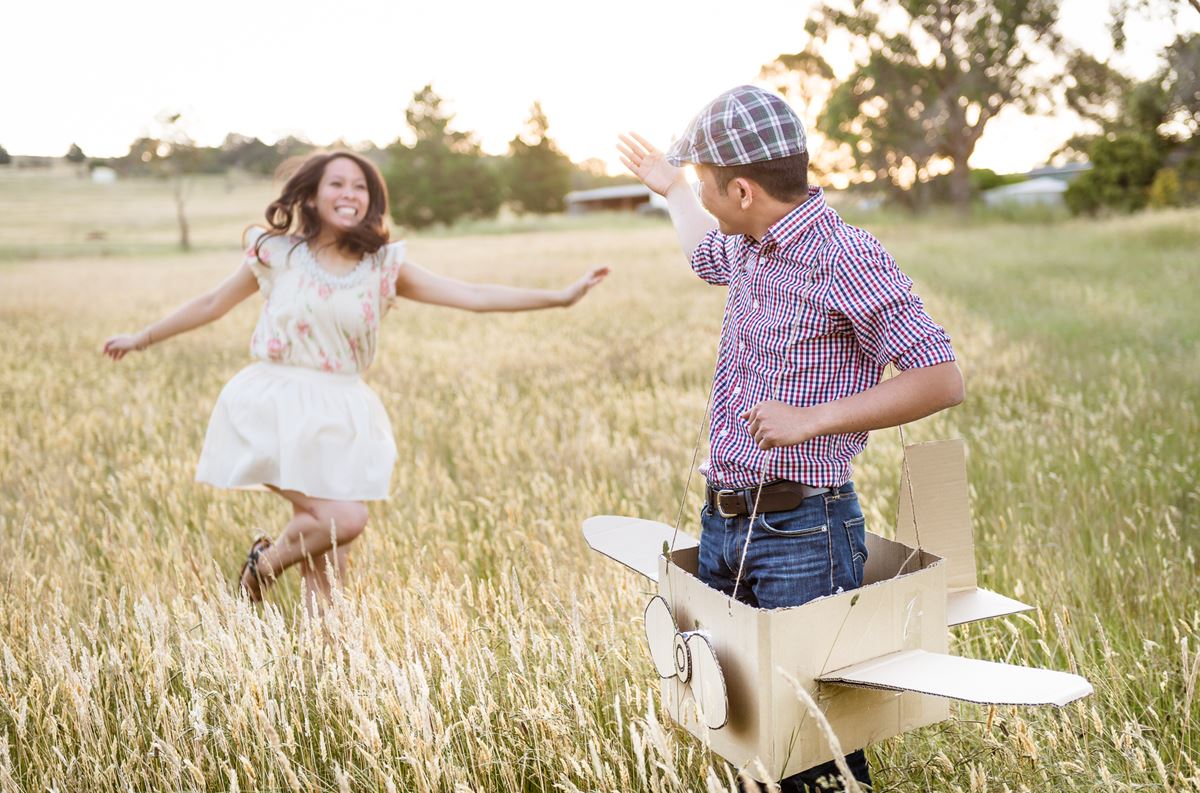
[743,190]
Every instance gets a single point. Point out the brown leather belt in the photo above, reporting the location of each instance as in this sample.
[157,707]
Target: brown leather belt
[778,496]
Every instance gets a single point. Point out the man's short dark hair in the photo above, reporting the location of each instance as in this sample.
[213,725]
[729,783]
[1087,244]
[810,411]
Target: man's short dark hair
[784,178]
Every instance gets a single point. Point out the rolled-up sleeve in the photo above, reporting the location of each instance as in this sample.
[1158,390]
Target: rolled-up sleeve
[889,321]
[713,257]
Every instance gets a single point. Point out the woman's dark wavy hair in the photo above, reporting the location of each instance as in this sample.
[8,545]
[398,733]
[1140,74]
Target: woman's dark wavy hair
[291,213]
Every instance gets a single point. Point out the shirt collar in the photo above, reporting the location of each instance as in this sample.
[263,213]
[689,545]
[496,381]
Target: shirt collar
[791,227]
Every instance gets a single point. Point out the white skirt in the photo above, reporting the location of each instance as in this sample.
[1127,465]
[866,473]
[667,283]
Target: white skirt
[323,434]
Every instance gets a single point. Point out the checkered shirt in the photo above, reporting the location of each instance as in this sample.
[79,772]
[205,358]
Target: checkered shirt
[816,310]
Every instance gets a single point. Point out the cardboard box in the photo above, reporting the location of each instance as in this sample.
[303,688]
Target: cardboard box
[874,660]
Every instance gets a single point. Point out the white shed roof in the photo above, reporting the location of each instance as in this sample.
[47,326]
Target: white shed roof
[1044,185]
[606,193]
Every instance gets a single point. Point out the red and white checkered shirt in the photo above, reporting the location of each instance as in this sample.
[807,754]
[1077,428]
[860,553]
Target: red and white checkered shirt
[816,310]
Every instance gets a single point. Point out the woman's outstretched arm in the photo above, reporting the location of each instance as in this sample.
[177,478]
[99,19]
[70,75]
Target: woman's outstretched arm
[196,312]
[416,283]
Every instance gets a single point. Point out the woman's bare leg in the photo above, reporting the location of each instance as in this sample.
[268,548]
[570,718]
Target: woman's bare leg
[317,527]
[319,580]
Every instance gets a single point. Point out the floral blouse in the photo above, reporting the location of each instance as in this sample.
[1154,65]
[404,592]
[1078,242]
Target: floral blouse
[312,318]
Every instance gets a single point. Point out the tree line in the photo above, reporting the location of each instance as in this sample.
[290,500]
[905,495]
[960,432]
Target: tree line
[928,78]
[442,176]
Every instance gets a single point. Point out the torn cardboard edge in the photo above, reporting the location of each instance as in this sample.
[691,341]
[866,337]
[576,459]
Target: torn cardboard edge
[638,544]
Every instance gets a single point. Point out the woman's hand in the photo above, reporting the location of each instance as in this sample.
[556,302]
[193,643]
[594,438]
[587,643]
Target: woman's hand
[117,346]
[573,293]
[198,311]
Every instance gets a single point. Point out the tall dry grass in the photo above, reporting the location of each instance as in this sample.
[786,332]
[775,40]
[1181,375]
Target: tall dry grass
[479,644]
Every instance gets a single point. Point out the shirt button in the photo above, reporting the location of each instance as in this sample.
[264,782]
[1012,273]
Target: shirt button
[724,432]
[755,304]
[737,389]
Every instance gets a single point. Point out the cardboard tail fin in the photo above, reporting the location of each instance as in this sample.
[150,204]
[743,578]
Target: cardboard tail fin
[935,515]
[969,679]
[634,542]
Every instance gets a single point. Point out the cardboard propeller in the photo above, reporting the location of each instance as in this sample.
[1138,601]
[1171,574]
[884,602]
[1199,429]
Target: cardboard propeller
[874,659]
[689,657]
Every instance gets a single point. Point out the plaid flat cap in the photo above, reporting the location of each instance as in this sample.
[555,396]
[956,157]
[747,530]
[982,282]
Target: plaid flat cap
[741,126]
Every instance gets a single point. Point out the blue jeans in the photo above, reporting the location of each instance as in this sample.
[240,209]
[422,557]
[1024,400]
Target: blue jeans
[817,549]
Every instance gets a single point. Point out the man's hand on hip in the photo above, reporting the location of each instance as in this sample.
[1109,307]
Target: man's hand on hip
[774,423]
[911,395]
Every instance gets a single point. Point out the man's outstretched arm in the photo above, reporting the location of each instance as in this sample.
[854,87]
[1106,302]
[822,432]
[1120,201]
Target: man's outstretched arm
[650,166]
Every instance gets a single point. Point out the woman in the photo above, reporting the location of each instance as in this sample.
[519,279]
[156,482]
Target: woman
[300,421]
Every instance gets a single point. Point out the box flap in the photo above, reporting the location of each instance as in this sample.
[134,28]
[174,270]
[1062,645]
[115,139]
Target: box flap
[968,605]
[935,514]
[634,542]
[967,679]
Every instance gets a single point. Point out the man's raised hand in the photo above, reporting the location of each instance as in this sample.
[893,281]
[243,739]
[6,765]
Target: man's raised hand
[649,164]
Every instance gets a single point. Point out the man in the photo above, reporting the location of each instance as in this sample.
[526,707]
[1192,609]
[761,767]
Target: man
[816,310]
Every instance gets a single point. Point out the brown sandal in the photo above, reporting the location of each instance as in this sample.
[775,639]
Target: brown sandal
[261,543]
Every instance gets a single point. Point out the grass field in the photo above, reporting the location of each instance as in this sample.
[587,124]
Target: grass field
[481,646]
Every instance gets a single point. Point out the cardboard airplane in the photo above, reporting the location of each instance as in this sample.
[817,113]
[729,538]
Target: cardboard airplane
[873,659]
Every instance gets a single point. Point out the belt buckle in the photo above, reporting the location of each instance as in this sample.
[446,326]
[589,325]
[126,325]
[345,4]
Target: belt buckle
[720,509]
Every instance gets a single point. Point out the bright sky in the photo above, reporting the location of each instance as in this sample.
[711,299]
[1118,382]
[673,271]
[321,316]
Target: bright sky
[99,73]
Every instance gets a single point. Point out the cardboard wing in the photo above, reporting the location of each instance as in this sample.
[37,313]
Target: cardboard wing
[967,679]
[935,514]
[634,542]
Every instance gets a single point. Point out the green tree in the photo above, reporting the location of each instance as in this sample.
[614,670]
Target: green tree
[249,154]
[1165,190]
[181,158]
[168,153]
[1144,127]
[5,159]
[537,173]
[1123,169]
[75,154]
[1153,11]
[1180,82]
[985,179]
[928,77]
[443,176]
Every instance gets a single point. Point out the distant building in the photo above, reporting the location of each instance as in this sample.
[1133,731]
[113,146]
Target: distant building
[1066,172]
[102,174]
[1042,191]
[621,198]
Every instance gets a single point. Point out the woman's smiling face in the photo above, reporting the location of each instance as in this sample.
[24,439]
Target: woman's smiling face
[342,197]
